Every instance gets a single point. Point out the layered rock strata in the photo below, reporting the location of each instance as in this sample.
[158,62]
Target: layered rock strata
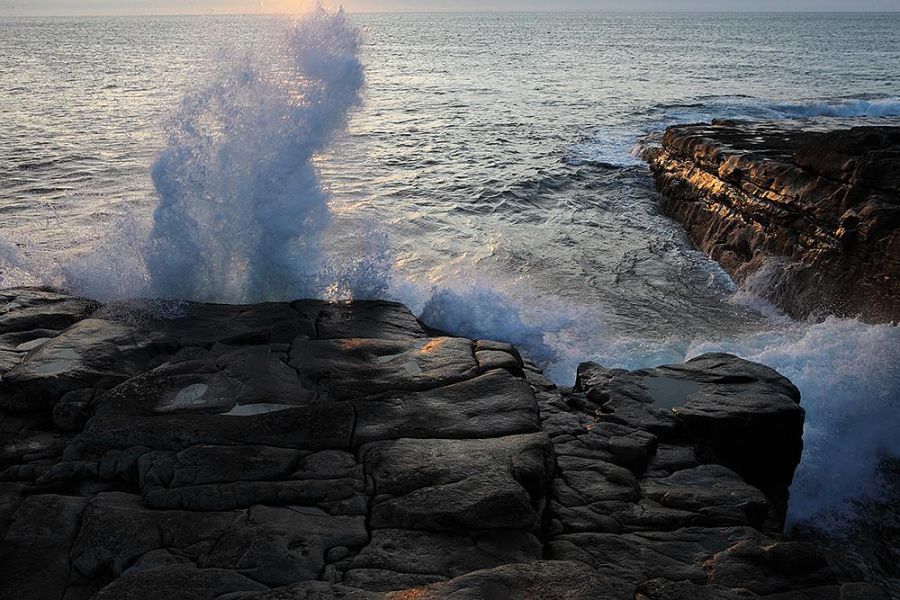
[807,216]
[309,450]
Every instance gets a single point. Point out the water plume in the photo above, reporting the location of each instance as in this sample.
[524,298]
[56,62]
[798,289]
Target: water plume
[241,206]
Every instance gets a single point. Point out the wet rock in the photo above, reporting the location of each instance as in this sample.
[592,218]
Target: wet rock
[92,353]
[548,580]
[402,558]
[739,414]
[376,320]
[493,404]
[27,309]
[278,546]
[814,212]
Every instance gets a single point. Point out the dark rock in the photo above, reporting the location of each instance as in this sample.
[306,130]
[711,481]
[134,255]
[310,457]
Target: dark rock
[34,557]
[458,484]
[353,368]
[820,210]
[278,546]
[493,404]
[318,451]
[92,353]
[376,320]
[178,582]
[402,558]
[548,580]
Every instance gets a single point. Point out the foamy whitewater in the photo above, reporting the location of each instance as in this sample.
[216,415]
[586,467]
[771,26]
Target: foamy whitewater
[478,168]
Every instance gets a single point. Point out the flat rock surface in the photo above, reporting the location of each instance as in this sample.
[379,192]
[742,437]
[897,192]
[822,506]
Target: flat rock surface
[808,215]
[311,450]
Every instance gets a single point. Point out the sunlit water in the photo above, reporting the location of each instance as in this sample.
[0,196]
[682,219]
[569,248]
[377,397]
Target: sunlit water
[485,178]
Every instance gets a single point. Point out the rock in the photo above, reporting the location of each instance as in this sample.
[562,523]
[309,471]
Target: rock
[353,368]
[26,309]
[439,485]
[279,546]
[318,451]
[178,582]
[493,404]
[771,568]
[815,213]
[402,558]
[92,353]
[548,580]
[34,557]
[740,414]
[376,320]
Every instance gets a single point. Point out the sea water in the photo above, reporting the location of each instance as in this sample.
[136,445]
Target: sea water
[478,167]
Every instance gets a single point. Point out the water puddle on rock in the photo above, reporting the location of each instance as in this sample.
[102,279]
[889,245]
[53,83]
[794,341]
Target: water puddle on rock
[249,410]
[670,392]
[62,359]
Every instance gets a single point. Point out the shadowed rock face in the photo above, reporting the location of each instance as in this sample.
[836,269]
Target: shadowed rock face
[814,214]
[311,450]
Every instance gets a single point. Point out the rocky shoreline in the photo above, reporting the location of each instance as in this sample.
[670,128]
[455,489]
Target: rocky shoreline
[810,211]
[314,450]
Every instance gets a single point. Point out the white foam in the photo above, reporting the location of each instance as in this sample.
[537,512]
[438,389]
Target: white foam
[847,374]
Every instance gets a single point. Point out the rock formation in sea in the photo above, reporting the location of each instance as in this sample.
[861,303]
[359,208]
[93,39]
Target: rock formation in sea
[309,450]
[811,211]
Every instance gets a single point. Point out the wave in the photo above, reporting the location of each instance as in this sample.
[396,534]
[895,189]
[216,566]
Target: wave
[618,145]
[241,207]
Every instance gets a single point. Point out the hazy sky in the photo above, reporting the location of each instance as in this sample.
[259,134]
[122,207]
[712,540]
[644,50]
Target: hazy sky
[59,7]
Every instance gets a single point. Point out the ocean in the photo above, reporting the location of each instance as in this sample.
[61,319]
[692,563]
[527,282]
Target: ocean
[478,167]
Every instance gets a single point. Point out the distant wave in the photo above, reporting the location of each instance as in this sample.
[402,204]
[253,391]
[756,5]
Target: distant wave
[616,145]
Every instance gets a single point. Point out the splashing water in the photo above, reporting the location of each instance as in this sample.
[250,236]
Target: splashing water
[847,374]
[241,207]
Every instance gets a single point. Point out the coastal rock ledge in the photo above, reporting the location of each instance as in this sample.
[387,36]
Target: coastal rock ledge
[811,212]
[309,450]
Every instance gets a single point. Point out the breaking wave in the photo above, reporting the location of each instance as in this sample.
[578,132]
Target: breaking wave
[845,369]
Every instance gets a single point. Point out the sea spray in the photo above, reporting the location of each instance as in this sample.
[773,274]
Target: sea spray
[241,207]
[847,374]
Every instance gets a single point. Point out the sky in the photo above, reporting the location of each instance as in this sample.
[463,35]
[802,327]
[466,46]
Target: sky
[104,7]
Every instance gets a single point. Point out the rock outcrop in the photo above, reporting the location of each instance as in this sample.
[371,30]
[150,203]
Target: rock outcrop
[812,214]
[309,451]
